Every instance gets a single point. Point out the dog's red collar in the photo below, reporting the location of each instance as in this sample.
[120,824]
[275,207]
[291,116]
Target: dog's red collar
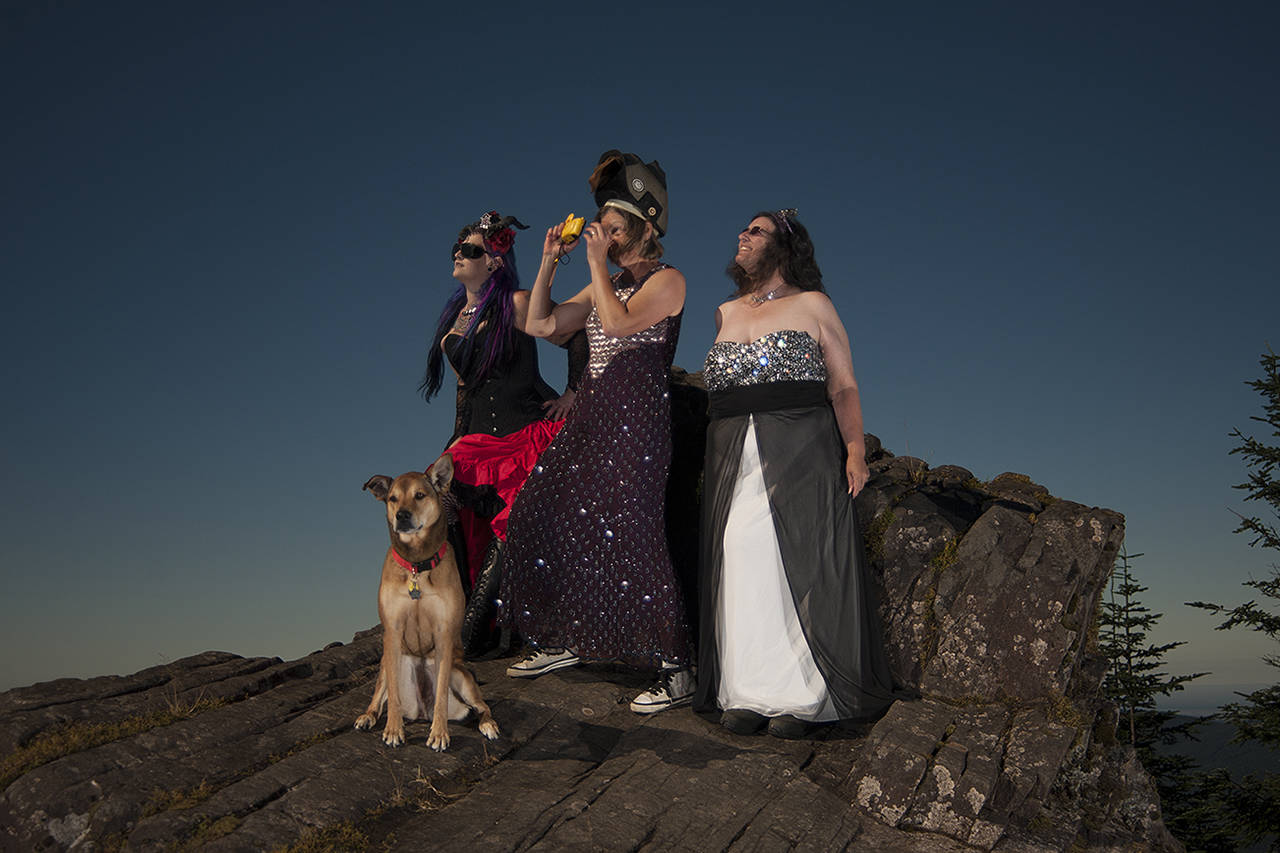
[424,566]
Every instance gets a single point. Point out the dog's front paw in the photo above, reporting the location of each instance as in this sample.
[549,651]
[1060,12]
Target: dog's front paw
[489,729]
[393,736]
[365,722]
[439,738]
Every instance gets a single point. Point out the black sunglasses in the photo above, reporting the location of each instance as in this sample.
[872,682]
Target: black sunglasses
[468,250]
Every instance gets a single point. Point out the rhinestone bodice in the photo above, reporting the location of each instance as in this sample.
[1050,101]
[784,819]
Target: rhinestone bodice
[787,355]
[604,347]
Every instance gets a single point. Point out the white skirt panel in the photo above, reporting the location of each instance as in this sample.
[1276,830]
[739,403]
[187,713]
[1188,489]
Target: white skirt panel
[765,662]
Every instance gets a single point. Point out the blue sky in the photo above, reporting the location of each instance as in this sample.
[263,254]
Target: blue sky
[1049,228]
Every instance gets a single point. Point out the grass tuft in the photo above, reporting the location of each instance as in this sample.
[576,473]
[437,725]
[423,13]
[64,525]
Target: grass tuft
[946,557]
[874,541]
[163,801]
[1062,710]
[337,838]
[208,831]
[78,737]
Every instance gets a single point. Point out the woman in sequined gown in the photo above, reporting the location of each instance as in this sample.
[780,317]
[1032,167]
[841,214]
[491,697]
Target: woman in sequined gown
[588,574]
[789,628]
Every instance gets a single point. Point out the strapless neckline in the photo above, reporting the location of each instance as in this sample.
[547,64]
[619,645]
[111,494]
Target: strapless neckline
[767,334]
[784,355]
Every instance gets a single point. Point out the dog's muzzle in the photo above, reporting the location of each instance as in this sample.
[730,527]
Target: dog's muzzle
[405,522]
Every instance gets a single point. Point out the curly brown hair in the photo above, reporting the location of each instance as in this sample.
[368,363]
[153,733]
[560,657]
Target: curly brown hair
[790,252]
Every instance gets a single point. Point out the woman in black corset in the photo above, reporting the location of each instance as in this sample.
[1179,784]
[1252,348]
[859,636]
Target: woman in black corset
[506,414]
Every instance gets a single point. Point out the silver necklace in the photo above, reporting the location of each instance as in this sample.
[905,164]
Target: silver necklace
[760,299]
[463,319]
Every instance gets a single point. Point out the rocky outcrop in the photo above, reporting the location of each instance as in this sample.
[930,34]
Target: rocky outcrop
[990,597]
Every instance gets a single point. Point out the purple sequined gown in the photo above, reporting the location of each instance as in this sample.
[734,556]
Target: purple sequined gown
[587,566]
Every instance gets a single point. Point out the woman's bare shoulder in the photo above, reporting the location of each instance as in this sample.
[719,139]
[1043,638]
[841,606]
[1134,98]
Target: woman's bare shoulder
[815,300]
[729,311]
[731,305]
[667,277]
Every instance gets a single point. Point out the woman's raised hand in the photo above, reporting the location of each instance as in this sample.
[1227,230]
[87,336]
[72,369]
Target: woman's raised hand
[551,246]
[597,243]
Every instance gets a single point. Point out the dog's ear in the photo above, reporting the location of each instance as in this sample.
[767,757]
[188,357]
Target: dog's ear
[441,473]
[379,485]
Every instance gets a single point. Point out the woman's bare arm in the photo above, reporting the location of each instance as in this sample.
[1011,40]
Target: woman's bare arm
[544,318]
[662,296]
[842,389]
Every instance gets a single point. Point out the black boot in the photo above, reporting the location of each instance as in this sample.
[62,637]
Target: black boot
[478,635]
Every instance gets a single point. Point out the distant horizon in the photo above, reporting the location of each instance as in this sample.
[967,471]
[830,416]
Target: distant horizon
[1199,698]
[1203,700]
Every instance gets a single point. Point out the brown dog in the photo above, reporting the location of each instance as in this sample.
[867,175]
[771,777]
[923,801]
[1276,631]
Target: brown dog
[420,603]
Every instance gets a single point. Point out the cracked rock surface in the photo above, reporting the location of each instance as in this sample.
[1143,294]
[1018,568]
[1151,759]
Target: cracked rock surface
[573,768]
[989,597]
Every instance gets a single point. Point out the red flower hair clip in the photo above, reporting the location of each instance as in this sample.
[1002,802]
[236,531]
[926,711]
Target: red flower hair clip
[498,233]
[499,243]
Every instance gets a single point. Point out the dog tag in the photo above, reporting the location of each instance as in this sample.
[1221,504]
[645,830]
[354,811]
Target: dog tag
[414,592]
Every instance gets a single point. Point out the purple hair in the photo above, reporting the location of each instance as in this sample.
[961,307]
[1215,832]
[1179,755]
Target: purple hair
[496,311]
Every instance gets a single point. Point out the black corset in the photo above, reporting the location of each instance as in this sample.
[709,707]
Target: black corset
[509,398]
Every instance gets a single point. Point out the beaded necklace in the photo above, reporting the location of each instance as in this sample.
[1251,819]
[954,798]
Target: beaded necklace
[463,320]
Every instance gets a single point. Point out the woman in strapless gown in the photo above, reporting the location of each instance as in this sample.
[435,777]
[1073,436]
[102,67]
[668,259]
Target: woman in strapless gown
[789,625]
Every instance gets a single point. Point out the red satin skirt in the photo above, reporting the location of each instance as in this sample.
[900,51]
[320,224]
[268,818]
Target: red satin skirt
[503,462]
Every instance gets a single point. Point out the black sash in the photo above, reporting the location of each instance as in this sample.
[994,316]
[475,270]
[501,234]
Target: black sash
[767,397]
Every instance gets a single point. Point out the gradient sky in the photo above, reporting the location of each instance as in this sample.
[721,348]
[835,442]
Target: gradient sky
[1051,230]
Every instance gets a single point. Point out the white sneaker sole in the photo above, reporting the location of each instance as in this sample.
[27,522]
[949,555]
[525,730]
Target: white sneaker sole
[518,672]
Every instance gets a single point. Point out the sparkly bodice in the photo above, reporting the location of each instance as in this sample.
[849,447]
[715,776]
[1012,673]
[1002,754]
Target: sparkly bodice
[604,347]
[787,355]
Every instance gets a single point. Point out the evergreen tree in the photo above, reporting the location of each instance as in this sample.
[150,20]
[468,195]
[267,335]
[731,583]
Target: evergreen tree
[1254,801]
[1135,681]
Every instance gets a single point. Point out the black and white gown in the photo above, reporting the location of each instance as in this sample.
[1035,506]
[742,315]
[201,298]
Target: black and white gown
[788,617]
